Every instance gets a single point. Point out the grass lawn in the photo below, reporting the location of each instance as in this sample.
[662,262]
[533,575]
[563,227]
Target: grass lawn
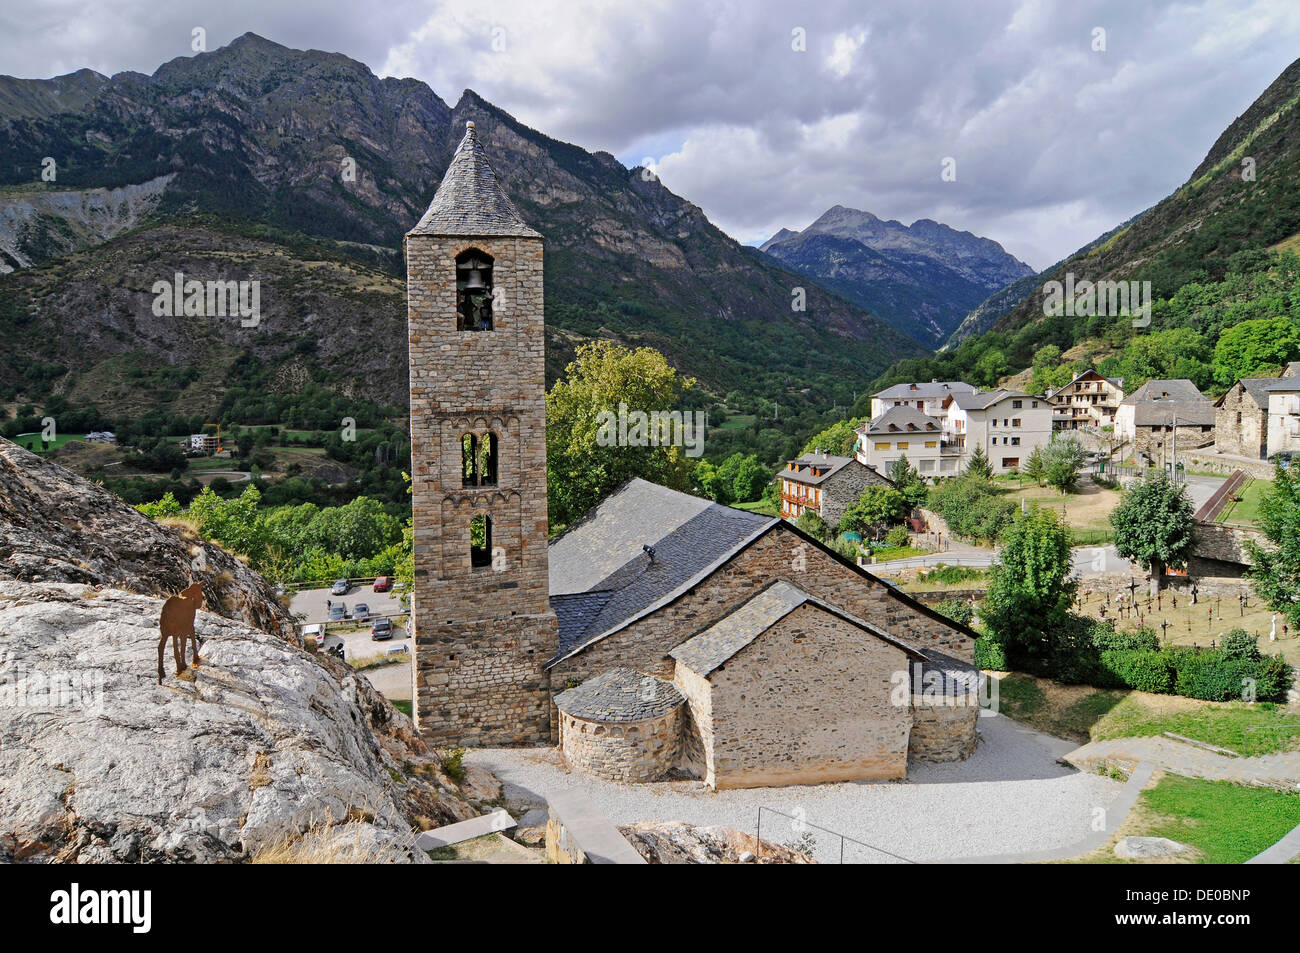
[761,507]
[1227,823]
[736,422]
[1248,729]
[1082,713]
[898,552]
[1245,512]
[1086,511]
[404,706]
[33,442]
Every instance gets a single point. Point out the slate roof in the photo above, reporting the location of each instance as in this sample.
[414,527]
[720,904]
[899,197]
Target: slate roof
[470,200]
[1284,384]
[600,575]
[1256,387]
[620,695]
[833,465]
[712,647]
[906,419]
[984,399]
[941,674]
[925,391]
[1156,402]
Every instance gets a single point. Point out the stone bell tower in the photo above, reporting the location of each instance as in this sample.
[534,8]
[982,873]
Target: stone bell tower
[481,615]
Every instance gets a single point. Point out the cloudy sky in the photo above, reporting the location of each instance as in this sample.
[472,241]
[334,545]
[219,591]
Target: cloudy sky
[1062,117]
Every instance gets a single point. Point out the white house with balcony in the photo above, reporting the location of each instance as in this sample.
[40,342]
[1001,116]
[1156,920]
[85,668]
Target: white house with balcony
[906,431]
[1007,424]
[1090,400]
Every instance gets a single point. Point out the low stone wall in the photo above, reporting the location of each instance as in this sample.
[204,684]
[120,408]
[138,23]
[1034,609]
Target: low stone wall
[1225,464]
[1222,543]
[942,732]
[623,751]
[932,597]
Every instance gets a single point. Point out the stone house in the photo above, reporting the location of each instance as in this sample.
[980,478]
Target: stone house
[826,484]
[1163,417]
[650,571]
[1090,400]
[1241,419]
[521,641]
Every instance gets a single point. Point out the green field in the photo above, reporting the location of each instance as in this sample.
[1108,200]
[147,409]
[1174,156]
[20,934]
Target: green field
[33,442]
[1245,511]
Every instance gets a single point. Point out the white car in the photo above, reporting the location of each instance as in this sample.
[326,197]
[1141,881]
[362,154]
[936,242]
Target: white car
[316,632]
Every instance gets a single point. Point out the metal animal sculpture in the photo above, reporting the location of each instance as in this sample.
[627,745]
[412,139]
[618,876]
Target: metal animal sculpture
[177,623]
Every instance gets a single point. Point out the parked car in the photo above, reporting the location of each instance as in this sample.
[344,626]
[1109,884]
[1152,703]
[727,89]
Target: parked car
[381,630]
[361,612]
[315,632]
[340,587]
[382,584]
[338,612]
[402,649]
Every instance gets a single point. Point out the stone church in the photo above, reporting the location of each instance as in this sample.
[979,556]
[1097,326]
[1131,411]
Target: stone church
[662,635]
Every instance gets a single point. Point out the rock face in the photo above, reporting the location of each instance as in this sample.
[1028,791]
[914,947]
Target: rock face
[58,527]
[263,744]
[673,842]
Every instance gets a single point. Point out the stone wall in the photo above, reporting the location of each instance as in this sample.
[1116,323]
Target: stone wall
[842,490]
[1214,463]
[1156,443]
[1241,425]
[808,702]
[943,732]
[778,554]
[623,751]
[481,634]
[1222,543]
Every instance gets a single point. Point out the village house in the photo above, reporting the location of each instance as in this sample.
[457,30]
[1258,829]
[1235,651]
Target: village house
[1284,412]
[927,398]
[1007,424]
[1090,400]
[660,633]
[1163,417]
[906,431]
[824,484]
[1241,419]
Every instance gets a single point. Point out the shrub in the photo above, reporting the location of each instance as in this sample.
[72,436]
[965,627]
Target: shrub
[452,763]
[1240,644]
[897,536]
[990,654]
[1139,669]
[1140,639]
[959,610]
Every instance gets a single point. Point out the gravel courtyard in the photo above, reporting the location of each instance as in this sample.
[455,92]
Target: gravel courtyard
[1010,797]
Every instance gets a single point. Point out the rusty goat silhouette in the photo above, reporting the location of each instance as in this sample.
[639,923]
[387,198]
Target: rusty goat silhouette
[177,623]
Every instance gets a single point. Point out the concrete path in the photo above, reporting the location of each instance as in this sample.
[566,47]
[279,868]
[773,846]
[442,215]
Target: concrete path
[1281,852]
[1281,770]
[1087,560]
[492,823]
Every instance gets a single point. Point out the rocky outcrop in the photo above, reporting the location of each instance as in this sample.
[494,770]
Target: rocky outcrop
[262,747]
[673,842]
[56,526]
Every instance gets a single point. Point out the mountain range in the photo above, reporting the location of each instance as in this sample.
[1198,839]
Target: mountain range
[921,279]
[303,170]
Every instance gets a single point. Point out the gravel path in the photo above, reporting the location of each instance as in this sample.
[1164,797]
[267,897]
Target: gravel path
[1010,797]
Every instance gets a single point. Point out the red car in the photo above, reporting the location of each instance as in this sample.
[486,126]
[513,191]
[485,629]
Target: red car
[382,584]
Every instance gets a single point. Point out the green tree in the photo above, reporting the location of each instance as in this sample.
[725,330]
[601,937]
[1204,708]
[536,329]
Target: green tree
[908,482]
[811,523]
[1061,461]
[1036,465]
[978,465]
[1251,346]
[1170,354]
[838,439]
[1154,525]
[1031,586]
[584,461]
[1275,572]
[877,506]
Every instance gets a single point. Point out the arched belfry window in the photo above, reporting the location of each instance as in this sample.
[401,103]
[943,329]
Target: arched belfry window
[468,460]
[488,460]
[480,541]
[474,290]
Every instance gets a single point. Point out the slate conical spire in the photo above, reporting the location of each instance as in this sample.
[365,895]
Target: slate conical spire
[470,201]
